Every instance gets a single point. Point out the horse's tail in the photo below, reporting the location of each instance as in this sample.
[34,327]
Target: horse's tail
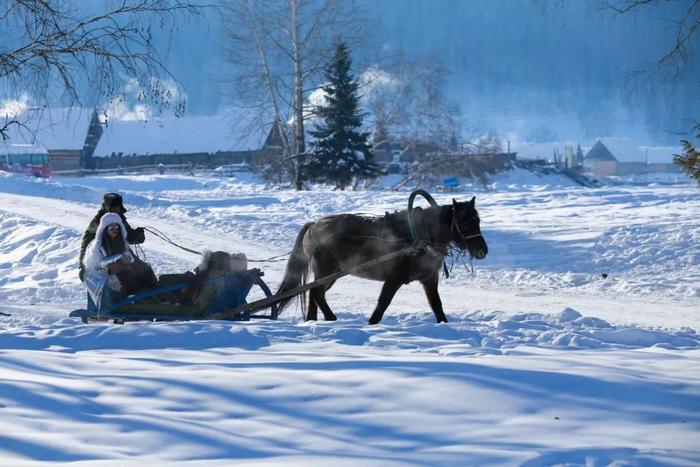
[297,270]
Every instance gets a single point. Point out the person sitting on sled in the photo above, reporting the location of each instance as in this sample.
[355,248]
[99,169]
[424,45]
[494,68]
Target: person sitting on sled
[111,202]
[111,264]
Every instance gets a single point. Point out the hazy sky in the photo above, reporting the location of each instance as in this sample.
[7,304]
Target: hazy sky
[565,73]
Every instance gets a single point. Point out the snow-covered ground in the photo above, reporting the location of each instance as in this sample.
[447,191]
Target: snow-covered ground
[544,361]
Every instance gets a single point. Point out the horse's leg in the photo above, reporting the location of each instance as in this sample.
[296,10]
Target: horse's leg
[388,291]
[318,296]
[312,307]
[322,266]
[430,286]
[312,310]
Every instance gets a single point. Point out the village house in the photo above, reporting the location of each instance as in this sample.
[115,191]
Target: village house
[606,157]
[615,156]
[204,141]
[61,132]
[80,140]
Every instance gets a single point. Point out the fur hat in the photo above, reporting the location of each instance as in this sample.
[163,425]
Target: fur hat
[108,219]
[111,200]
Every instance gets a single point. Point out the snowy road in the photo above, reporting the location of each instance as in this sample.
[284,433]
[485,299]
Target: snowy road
[76,216]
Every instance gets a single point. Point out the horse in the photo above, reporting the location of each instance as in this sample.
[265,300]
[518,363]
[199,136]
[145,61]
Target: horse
[338,242]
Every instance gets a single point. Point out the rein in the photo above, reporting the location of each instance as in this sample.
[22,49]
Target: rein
[166,239]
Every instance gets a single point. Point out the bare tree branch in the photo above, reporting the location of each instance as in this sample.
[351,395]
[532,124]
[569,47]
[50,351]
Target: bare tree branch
[52,47]
[406,103]
[680,52]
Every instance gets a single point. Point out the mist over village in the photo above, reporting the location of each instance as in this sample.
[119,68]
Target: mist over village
[392,232]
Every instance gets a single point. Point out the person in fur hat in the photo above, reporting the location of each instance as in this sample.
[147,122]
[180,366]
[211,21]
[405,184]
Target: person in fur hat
[110,263]
[111,202]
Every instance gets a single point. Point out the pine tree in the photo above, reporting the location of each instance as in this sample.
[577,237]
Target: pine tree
[341,152]
[689,160]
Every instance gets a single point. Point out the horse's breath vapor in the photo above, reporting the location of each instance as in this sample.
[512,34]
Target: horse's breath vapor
[340,242]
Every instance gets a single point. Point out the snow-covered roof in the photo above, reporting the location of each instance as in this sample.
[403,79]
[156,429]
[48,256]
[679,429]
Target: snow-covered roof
[168,135]
[15,149]
[543,150]
[623,149]
[660,154]
[57,128]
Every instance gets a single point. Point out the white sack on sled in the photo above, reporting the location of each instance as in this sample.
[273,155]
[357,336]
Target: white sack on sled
[239,262]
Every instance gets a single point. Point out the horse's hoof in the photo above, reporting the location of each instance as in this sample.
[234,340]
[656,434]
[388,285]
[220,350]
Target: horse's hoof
[373,323]
[332,318]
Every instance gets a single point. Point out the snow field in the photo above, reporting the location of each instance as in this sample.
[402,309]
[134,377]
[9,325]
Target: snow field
[544,360]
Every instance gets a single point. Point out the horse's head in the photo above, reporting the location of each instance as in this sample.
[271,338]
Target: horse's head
[465,229]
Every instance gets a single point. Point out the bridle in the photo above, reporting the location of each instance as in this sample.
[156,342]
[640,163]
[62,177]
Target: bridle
[455,227]
[455,231]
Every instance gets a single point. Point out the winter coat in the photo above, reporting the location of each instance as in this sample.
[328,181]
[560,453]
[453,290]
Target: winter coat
[133,236]
[97,276]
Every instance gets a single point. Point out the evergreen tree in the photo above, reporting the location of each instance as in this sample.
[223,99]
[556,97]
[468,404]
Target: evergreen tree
[340,153]
[689,160]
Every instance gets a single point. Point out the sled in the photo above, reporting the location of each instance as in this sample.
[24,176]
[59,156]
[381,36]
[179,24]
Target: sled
[230,303]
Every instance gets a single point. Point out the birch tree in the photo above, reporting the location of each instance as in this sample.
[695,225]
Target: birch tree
[277,50]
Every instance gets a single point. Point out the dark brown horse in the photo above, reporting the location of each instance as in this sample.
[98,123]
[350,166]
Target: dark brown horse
[336,243]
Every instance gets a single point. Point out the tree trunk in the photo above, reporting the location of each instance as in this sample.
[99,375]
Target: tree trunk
[270,85]
[279,127]
[300,144]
